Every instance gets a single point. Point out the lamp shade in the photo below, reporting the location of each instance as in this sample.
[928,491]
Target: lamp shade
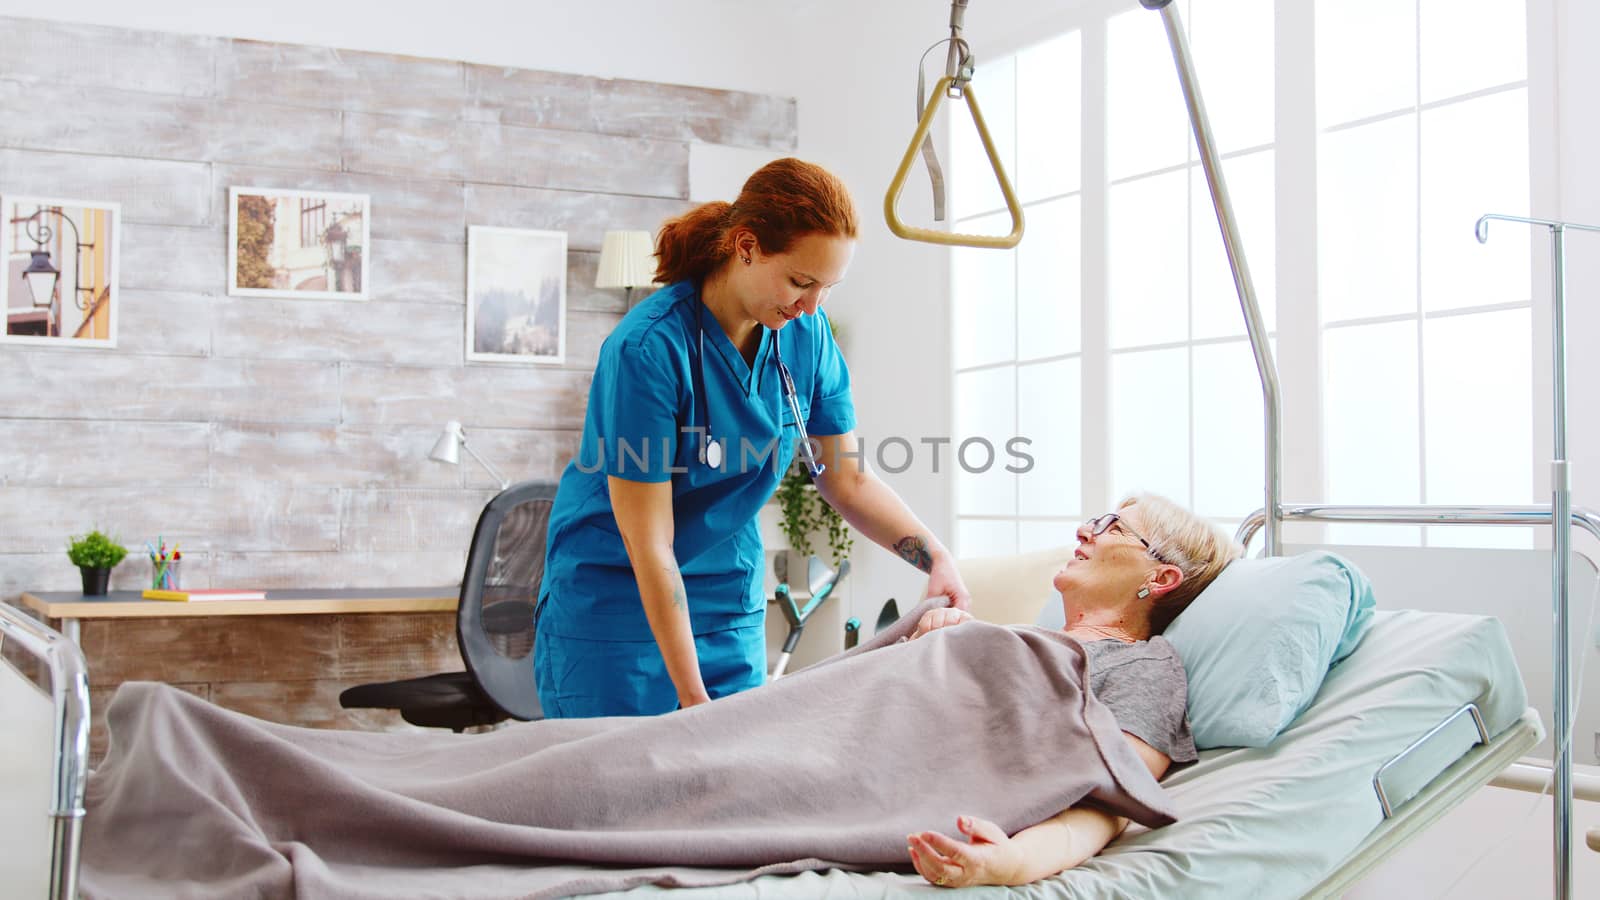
[626,260]
[447,449]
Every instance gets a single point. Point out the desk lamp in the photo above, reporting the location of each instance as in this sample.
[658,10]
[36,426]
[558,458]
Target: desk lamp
[447,449]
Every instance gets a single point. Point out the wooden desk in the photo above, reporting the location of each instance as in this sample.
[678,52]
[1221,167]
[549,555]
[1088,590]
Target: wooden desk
[283,659]
[69,607]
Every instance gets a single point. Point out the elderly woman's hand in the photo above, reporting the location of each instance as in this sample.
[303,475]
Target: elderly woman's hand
[934,619]
[990,857]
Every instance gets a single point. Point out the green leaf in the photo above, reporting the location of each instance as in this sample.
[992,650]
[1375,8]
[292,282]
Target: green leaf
[95,551]
[805,513]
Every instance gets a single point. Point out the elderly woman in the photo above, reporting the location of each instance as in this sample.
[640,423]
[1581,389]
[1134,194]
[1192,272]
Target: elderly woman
[1133,572]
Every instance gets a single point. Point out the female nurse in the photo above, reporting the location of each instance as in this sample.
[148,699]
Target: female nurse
[652,597]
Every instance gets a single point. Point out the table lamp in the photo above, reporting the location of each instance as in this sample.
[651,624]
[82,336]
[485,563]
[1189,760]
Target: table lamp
[626,261]
[447,449]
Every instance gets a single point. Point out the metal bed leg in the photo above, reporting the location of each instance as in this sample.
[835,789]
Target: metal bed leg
[64,849]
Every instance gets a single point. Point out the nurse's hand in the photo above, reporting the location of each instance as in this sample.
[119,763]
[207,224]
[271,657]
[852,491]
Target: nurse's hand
[944,579]
[935,619]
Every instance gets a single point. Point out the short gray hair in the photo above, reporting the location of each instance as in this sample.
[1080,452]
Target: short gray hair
[1199,549]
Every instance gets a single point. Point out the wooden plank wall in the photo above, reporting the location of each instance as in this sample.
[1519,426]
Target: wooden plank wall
[284,442]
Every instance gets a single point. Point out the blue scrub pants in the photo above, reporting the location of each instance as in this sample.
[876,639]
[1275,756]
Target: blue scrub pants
[581,678]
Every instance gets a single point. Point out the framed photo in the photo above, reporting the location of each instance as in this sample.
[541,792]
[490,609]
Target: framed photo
[516,295]
[310,244]
[61,259]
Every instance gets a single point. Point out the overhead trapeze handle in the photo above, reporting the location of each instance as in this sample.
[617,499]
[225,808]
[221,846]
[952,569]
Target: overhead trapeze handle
[952,238]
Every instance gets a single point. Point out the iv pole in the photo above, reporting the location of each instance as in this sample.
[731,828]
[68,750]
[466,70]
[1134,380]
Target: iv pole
[1561,533]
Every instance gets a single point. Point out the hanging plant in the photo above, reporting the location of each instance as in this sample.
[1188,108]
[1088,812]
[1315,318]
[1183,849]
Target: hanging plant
[805,513]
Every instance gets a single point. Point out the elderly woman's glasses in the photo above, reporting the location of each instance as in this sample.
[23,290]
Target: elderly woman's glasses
[1101,524]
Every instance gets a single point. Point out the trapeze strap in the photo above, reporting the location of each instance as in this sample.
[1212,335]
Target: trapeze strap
[952,238]
[930,156]
[958,65]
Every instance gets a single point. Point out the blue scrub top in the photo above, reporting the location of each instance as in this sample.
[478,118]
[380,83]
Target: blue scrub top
[641,400]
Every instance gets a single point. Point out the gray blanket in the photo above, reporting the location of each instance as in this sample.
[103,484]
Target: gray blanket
[831,766]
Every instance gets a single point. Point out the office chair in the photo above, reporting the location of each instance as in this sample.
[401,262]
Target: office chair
[494,625]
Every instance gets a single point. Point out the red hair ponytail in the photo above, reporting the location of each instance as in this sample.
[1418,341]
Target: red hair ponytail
[784,200]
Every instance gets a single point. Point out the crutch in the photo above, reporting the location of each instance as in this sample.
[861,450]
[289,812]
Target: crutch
[822,582]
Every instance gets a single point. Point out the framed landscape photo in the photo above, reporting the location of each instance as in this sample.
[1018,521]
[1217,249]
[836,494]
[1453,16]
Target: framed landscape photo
[516,295]
[287,243]
[60,282]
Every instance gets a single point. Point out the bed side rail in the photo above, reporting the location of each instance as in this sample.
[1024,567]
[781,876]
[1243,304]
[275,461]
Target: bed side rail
[1586,519]
[1410,770]
[69,690]
[1462,778]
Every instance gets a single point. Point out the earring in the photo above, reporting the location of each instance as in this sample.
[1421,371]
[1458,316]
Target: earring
[1143,593]
[746,260]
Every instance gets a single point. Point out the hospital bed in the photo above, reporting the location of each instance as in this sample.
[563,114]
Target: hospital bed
[1302,817]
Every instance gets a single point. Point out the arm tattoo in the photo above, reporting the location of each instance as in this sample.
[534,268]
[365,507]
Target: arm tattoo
[914,550]
[680,596]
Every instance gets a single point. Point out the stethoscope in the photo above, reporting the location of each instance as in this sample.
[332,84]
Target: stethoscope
[711,447]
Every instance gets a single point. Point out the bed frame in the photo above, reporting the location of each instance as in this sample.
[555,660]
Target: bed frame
[47,731]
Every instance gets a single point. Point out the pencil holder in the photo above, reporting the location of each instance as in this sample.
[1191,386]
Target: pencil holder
[164,575]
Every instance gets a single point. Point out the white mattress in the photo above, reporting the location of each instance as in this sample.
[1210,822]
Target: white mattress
[1271,822]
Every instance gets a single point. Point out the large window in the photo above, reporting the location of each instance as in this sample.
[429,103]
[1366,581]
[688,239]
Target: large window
[1112,337]
[1422,116]
[1018,354]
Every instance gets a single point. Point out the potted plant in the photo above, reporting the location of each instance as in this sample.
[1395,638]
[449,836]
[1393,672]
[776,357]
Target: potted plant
[804,513]
[95,555]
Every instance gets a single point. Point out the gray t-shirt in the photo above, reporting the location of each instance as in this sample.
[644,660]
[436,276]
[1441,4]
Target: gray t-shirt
[1144,687]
